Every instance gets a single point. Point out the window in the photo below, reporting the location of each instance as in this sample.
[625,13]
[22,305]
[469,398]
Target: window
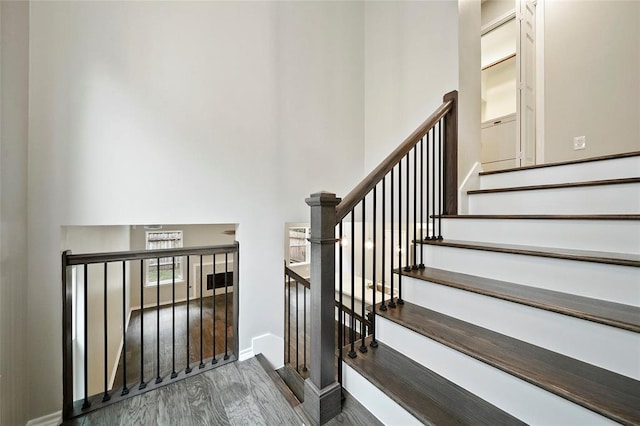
[163,240]
[299,246]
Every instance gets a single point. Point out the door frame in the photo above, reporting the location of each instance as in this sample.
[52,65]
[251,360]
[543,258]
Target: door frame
[539,72]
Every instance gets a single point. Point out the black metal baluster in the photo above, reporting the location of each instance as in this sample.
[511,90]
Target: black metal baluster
[407,255]
[399,300]
[214,360]
[383,305]
[289,321]
[415,207]
[226,306]
[201,297]
[304,325]
[173,318]
[400,268]
[433,183]
[125,389]
[428,206]
[143,384]
[363,347]
[391,303]
[421,201]
[340,310]
[297,328]
[352,352]
[188,369]
[106,397]
[440,181]
[158,378]
[374,343]
[86,404]
[344,325]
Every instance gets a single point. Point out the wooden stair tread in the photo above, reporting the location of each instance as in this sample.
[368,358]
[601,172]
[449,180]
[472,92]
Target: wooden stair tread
[610,394]
[556,186]
[624,259]
[543,216]
[429,397]
[626,317]
[563,163]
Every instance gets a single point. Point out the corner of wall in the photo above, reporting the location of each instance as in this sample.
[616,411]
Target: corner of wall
[270,345]
[470,182]
[53,419]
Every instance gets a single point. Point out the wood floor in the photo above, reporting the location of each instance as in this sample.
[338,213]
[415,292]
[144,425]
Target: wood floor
[239,393]
[150,346]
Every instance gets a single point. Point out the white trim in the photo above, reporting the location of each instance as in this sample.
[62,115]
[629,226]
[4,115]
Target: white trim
[153,304]
[497,22]
[115,367]
[539,81]
[271,346]
[373,399]
[53,419]
[470,182]
[219,291]
[245,354]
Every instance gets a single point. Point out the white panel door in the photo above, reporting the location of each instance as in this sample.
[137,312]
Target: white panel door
[526,111]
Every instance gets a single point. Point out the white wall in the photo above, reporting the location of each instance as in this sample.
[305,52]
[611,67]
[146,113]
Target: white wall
[494,9]
[99,239]
[592,84]
[14,63]
[411,60]
[320,110]
[135,105]
[469,89]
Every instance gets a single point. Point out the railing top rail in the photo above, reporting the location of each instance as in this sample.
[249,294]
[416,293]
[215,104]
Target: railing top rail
[363,188]
[88,258]
[299,278]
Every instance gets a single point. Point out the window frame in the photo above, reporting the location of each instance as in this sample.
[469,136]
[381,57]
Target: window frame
[179,265]
[307,245]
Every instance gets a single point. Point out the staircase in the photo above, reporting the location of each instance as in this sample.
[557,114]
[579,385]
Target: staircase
[528,311]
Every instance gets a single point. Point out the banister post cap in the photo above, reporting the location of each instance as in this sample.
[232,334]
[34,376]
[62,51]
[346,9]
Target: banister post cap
[323,198]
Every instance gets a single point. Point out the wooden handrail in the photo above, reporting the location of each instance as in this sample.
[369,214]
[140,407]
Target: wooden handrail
[297,277]
[306,283]
[88,258]
[363,188]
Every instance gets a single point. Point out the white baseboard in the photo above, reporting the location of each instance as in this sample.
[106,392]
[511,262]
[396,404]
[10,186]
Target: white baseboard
[53,419]
[219,291]
[245,354]
[271,346]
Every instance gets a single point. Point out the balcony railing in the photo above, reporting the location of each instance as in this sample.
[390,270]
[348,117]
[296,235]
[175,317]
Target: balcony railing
[113,350]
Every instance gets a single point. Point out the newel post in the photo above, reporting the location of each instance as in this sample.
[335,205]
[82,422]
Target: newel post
[67,338]
[450,189]
[322,393]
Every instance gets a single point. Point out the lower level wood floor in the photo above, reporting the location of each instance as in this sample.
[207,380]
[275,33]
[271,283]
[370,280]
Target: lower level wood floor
[173,345]
[239,393]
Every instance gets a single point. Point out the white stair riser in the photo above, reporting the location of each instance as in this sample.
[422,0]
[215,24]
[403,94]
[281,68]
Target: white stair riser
[523,400]
[601,281]
[582,172]
[621,198]
[607,347]
[373,399]
[619,236]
